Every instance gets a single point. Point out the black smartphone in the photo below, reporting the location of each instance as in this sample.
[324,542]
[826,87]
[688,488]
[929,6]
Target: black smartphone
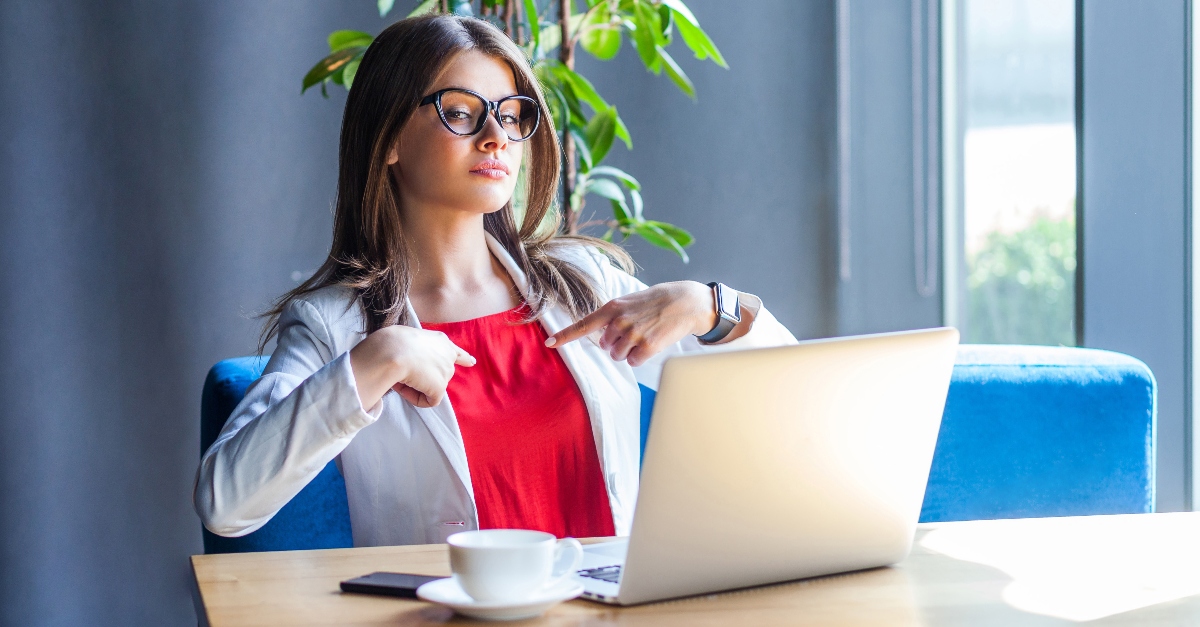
[390,584]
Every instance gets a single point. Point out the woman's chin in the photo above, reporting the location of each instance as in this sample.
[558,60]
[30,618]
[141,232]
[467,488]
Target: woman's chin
[489,202]
[481,206]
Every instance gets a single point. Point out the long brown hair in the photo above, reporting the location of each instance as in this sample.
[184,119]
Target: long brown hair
[368,253]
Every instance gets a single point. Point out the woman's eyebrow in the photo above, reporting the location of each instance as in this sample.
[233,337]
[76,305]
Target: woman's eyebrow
[514,93]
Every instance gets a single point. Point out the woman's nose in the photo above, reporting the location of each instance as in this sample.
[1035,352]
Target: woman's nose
[492,137]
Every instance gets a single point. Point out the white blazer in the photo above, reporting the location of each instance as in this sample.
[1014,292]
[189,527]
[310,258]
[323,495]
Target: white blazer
[407,479]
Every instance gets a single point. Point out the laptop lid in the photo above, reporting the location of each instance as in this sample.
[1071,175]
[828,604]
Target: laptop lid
[782,463]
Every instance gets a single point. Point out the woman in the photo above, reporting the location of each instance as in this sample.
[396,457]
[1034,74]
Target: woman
[500,417]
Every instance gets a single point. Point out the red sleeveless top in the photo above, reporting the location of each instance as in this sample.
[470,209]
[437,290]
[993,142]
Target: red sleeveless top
[530,448]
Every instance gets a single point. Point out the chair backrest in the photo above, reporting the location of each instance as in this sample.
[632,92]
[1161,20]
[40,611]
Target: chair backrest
[316,518]
[1044,431]
[1027,431]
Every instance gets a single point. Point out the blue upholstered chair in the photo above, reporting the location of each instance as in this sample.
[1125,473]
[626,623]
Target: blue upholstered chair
[316,518]
[1032,431]
[1027,431]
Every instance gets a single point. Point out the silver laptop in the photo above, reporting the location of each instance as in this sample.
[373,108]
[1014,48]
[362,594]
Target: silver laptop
[775,464]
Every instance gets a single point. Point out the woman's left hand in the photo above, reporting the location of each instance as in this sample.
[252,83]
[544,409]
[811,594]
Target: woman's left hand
[639,325]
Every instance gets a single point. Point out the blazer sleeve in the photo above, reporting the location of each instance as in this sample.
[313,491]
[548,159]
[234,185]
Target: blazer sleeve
[765,330]
[300,415]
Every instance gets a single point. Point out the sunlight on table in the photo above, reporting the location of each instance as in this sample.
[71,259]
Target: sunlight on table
[1079,573]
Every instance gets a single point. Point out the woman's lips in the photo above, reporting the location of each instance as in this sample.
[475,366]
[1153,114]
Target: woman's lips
[492,168]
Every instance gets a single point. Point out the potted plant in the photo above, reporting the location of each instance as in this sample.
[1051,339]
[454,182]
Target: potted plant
[550,34]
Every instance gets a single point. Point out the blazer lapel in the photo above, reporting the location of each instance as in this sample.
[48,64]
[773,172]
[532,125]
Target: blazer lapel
[442,423]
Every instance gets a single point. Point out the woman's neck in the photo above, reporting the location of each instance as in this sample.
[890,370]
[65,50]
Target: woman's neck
[454,275]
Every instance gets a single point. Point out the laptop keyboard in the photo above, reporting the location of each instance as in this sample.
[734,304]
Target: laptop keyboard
[611,574]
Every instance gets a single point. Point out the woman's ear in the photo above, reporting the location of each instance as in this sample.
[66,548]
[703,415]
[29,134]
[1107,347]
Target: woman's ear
[392,157]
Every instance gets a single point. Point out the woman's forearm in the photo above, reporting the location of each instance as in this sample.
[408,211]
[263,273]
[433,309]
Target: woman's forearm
[281,435]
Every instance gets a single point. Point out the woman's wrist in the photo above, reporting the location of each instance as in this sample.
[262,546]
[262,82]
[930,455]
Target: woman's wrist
[749,305]
[396,365]
[376,367]
[706,308]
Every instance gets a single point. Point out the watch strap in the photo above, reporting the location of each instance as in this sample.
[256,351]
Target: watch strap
[726,320]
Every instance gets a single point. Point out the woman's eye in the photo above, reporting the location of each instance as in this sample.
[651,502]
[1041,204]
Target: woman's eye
[509,120]
[454,114]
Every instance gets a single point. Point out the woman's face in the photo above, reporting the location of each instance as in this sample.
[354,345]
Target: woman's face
[437,169]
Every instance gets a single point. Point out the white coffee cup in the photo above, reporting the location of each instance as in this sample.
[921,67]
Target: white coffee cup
[499,565]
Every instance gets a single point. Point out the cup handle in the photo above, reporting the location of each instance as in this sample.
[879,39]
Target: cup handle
[569,552]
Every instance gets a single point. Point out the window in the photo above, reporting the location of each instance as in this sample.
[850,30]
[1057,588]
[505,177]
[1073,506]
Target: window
[1013,118]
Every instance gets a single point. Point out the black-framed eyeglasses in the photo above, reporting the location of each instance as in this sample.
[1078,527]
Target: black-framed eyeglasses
[465,112]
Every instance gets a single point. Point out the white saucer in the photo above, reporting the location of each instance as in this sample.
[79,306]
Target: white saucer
[447,592]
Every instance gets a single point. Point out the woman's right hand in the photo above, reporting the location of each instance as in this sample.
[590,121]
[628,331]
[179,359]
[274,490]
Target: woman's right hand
[417,363]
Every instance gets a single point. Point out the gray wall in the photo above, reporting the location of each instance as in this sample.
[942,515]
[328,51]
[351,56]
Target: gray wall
[162,178]
[1133,191]
[748,166]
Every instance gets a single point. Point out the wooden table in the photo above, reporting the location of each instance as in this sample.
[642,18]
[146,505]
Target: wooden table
[1106,570]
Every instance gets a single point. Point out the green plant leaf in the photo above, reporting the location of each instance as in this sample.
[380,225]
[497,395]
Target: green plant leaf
[560,109]
[698,41]
[635,199]
[385,6]
[582,89]
[664,26]
[600,131]
[604,187]
[677,75]
[617,173]
[679,7]
[553,87]
[581,86]
[581,149]
[655,235]
[544,71]
[551,37]
[649,12]
[643,39]
[600,38]
[349,71]
[682,237]
[621,212]
[623,134]
[342,39]
[576,109]
[426,6]
[331,64]
[535,27]
[603,42]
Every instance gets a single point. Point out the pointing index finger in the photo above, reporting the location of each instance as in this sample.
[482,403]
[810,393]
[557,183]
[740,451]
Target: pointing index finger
[463,358]
[584,326]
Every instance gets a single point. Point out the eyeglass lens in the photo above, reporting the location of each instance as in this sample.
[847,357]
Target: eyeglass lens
[464,114]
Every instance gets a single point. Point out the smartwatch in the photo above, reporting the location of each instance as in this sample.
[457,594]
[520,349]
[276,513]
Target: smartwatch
[729,313]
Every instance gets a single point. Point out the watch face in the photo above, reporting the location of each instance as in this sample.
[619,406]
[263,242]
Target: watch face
[729,302]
